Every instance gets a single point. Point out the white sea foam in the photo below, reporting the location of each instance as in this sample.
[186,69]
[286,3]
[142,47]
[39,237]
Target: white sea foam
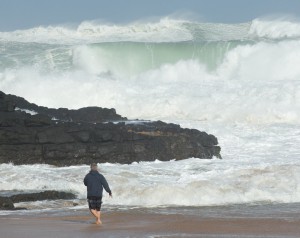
[27,111]
[191,182]
[275,28]
[254,83]
[243,87]
[165,30]
[255,169]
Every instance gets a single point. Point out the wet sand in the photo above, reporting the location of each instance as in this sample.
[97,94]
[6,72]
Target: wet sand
[146,223]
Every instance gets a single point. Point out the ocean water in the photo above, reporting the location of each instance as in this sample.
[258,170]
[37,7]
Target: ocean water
[240,82]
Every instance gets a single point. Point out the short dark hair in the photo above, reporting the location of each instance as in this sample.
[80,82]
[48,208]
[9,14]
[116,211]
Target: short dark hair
[94,166]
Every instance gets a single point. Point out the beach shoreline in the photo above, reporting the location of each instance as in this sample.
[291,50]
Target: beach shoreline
[179,222]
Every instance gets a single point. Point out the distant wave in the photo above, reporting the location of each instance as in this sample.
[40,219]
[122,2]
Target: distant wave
[165,30]
[275,29]
[240,82]
[250,74]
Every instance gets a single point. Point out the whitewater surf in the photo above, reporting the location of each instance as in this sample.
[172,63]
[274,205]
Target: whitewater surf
[239,82]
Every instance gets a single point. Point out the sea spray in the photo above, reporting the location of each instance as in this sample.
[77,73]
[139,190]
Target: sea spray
[190,182]
[256,83]
[239,82]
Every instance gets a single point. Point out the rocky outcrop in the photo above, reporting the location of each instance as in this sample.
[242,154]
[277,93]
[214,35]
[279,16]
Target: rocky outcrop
[66,137]
[45,195]
[7,203]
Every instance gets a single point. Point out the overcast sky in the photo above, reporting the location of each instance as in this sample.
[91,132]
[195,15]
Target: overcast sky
[20,14]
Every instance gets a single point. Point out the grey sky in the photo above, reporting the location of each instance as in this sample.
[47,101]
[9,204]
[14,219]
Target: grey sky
[20,14]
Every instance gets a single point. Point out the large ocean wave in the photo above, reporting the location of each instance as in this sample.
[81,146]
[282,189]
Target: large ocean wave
[164,30]
[240,82]
[247,78]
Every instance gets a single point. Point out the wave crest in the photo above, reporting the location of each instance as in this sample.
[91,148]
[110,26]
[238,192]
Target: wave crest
[274,29]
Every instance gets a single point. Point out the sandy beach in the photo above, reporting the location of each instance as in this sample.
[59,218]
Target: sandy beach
[155,223]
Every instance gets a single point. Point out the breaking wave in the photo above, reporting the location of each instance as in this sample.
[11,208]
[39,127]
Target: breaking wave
[240,82]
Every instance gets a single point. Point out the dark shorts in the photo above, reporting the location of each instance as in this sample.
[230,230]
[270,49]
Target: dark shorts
[95,203]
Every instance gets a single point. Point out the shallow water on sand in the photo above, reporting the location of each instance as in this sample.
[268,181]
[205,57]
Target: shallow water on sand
[276,220]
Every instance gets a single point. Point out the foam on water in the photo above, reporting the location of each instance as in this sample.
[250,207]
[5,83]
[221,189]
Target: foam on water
[179,183]
[239,82]
[253,83]
[275,29]
[255,169]
[164,30]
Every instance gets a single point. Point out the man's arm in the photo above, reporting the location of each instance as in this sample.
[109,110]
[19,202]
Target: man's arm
[105,185]
[85,180]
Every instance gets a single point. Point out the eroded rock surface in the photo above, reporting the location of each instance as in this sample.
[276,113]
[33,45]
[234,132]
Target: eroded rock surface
[31,134]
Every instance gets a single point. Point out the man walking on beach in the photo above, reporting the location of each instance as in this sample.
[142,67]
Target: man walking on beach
[95,182]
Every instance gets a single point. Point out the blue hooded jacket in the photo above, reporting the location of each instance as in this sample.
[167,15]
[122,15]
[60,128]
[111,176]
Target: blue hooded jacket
[95,183]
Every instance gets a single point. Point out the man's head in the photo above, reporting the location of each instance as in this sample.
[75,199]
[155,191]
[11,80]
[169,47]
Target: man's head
[94,167]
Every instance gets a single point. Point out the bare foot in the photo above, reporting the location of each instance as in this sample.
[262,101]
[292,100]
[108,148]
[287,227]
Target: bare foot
[98,222]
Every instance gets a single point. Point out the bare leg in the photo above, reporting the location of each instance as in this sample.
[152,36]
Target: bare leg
[99,222]
[94,212]
[97,215]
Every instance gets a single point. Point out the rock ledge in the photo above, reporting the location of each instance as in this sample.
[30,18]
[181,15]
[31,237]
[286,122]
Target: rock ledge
[30,134]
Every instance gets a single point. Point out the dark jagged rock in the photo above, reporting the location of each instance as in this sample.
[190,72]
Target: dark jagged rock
[45,195]
[87,114]
[6,105]
[89,135]
[7,203]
